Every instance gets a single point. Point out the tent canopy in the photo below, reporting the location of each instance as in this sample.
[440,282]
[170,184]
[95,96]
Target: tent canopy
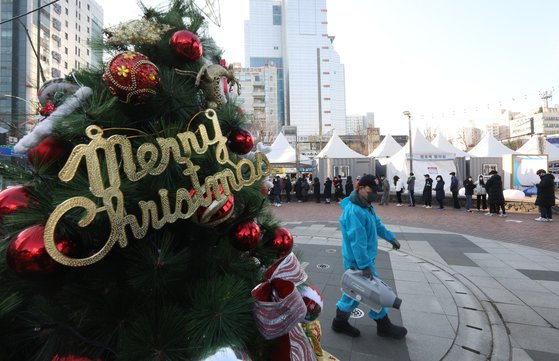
[532,147]
[488,146]
[427,159]
[336,148]
[387,148]
[283,153]
[443,144]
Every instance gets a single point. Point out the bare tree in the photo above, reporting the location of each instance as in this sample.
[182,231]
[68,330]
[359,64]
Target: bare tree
[468,137]
[262,129]
[429,133]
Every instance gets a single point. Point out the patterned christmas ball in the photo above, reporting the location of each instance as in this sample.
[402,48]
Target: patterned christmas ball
[132,78]
[13,198]
[246,236]
[217,212]
[240,141]
[26,253]
[282,242]
[313,301]
[186,44]
[49,151]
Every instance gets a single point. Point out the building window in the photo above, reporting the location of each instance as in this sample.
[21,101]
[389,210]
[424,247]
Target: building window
[87,51]
[276,14]
[66,11]
[66,36]
[65,65]
[65,50]
[276,48]
[66,23]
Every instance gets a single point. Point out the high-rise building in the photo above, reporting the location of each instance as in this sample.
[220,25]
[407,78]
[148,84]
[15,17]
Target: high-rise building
[499,131]
[259,100]
[57,34]
[293,36]
[543,121]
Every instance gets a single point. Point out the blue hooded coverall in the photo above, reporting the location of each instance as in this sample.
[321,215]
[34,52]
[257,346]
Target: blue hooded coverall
[360,230]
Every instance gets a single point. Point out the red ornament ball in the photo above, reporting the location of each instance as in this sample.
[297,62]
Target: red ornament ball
[50,150]
[240,141]
[27,254]
[246,236]
[132,78]
[13,198]
[282,242]
[186,44]
[217,212]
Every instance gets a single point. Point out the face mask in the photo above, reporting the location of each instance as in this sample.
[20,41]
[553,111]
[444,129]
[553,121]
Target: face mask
[371,197]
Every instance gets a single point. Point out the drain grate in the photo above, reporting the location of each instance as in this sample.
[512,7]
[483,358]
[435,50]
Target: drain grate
[357,313]
[331,250]
[322,266]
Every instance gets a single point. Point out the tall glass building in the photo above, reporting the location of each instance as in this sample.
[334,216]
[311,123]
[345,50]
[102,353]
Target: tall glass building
[56,37]
[292,35]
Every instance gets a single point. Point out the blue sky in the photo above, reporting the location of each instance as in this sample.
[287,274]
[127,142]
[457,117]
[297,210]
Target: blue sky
[448,62]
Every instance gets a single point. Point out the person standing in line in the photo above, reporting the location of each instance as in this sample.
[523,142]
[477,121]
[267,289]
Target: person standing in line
[287,188]
[299,189]
[338,188]
[439,191]
[481,194]
[327,190]
[411,189]
[385,190]
[469,187]
[316,189]
[454,190]
[546,195]
[276,191]
[361,227]
[305,187]
[348,186]
[494,186]
[399,188]
[427,191]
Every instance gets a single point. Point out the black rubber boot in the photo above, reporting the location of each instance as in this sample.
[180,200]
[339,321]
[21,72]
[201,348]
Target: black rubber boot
[341,324]
[385,328]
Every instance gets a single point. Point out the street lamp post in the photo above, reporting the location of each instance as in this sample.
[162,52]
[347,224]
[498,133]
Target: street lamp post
[408,114]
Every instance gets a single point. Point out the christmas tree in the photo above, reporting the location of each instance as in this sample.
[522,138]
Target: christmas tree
[140,230]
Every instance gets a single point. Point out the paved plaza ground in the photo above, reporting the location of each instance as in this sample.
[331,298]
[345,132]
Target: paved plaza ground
[473,287]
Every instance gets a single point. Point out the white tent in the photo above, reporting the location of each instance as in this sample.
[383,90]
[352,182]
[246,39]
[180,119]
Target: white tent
[532,147]
[387,148]
[427,159]
[488,146]
[283,153]
[336,148]
[443,144]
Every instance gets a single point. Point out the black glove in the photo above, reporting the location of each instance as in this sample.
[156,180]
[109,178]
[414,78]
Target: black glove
[367,273]
[395,244]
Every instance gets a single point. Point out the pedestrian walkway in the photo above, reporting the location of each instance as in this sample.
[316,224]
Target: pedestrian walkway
[464,297]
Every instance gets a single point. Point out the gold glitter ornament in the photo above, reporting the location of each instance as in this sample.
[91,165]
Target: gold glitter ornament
[150,159]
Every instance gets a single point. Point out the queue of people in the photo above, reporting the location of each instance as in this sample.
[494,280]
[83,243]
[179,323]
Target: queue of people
[488,193]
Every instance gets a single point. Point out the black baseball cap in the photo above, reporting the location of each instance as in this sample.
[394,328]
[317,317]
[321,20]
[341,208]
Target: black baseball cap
[367,180]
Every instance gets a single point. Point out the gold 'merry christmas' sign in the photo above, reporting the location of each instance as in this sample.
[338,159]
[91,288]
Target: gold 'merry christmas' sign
[149,159]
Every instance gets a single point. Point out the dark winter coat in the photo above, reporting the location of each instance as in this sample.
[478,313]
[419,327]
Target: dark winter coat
[287,185]
[439,190]
[494,186]
[469,187]
[328,188]
[316,186]
[428,188]
[276,190]
[348,185]
[454,184]
[411,183]
[546,191]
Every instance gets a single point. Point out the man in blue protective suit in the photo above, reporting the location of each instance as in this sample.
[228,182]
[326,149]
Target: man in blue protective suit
[360,230]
